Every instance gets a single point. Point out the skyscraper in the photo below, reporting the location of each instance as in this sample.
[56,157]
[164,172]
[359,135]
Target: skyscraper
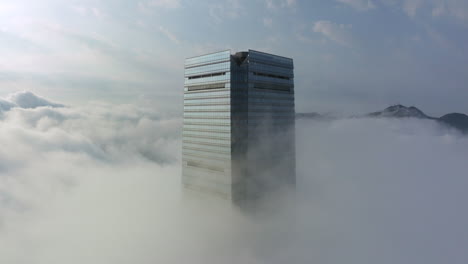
[239,118]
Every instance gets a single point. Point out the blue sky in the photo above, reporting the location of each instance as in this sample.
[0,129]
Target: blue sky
[350,55]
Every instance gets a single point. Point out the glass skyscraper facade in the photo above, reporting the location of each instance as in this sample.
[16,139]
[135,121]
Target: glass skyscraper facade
[238,129]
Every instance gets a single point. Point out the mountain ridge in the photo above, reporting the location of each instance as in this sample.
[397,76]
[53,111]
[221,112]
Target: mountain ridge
[458,121]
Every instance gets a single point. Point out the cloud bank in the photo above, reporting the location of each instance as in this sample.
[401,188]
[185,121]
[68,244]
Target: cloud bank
[99,183]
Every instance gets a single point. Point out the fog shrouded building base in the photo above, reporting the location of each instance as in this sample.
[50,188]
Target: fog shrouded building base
[238,131]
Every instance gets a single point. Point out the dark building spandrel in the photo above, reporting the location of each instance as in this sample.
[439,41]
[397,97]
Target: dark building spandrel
[238,132]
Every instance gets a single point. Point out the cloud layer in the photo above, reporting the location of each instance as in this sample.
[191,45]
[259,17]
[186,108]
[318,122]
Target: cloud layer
[100,183]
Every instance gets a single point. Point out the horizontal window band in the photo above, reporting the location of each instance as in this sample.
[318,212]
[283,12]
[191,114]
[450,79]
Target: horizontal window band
[206,137]
[208,154]
[207,130]
[207,147]
[214,108]
[238,111]
[269,111]
[203,116]
[265,98]
[207,124]
[192,163]
[194,65]
[207,117]
[208,103]
[272,109]
[257,118]
[206,72]
[282,117]
[207,150]
[272,92]
[271,75]
[276,91]
[206,69]
[255,54]
[226,162]
[207,110]
[207,97]
[272,70]
[270,86]
[266,63]
[224,128]
[206,143]
[206,91]
[285,123]
[209,68]
[206,86]
[207,75]
[204,157]
[270,104]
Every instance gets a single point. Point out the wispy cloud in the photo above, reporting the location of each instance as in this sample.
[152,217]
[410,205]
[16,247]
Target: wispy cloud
[456,9]
[267,22]
[338,33]
[275,4]
[452,8]
[87,11]
[169,35]
[361,5]
[411,6]
[151,6]
[230,9]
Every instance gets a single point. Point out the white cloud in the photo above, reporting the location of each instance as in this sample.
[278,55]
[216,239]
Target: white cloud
[335,32]
[456,9]
[275,4]
[169,35]
[229,9]
[100,183]
[361,5]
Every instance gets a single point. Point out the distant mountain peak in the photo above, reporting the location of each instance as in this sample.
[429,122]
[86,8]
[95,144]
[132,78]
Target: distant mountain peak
[456,120]
[399,111]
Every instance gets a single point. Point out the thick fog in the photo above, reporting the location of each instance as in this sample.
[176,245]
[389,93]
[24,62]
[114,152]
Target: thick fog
[100,183]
